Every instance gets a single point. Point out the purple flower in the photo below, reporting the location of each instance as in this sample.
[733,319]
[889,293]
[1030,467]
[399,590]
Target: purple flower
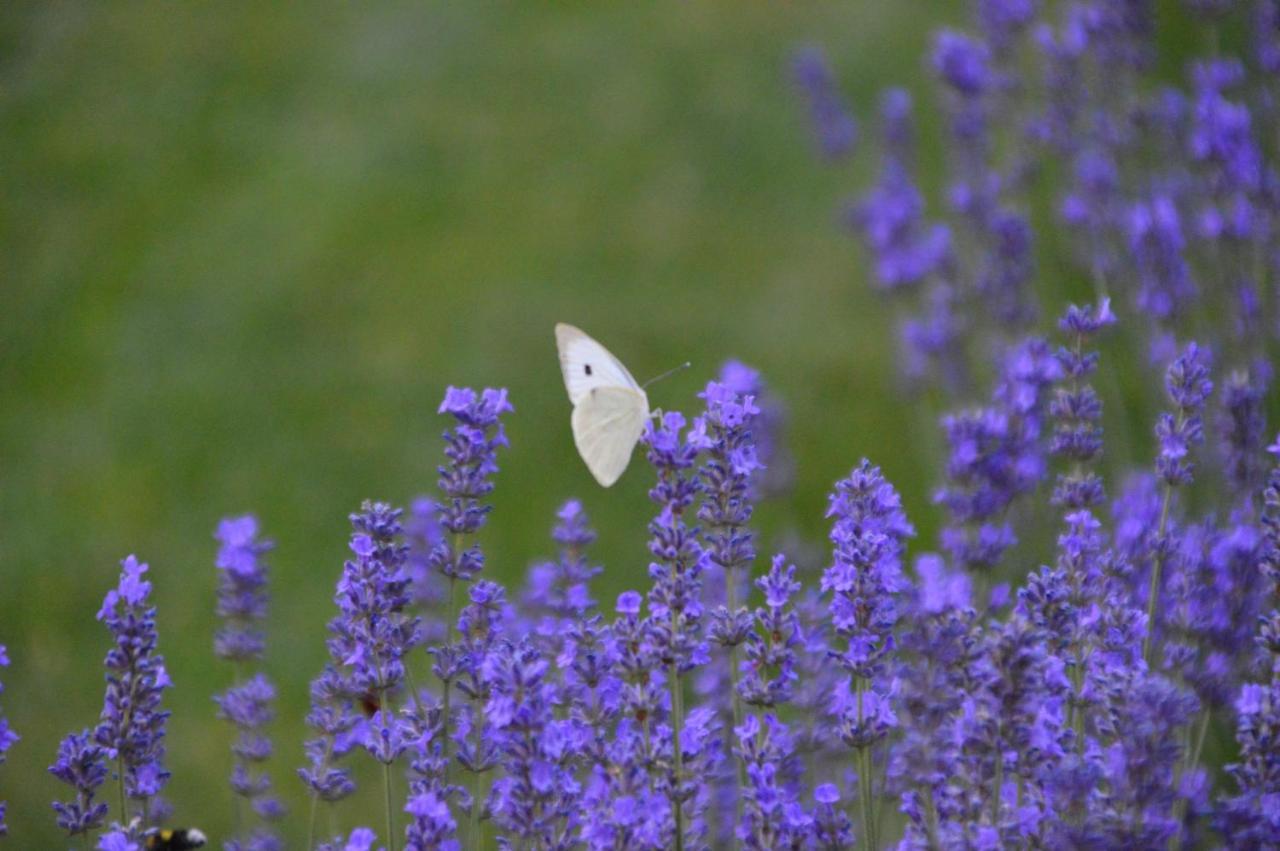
[119,839]
[996,456]
[1157,247]
[82,765]
[242,604]
[536,799]
[675,599]
[724,433]
[961,62]
[832,830]
[132,727]
[768,669]
[867,533]
[890,217]
[372,633]
[558,592]
[1241,425]
[242,594]
[776,472]
[832,123]
[772,816]
[1188,384]
[471,449]
[1077,410]
[432,827]
[360,839]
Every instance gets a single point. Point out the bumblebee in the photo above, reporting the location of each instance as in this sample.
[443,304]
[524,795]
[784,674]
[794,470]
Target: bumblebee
[183,839]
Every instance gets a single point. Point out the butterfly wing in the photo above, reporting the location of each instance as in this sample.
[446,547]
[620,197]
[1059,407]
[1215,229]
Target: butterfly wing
[607,423]
[587,365]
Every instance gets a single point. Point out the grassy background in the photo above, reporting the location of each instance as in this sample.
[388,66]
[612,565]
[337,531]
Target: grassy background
[244,249]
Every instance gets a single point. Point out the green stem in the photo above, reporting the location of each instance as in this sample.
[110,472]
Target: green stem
[311,822]
[315,798]
[731,591]
[999,785]
[864,777]
[677,721]
[445,698]
[1204,728]
[473,819]
[1154,590]
[930,820]
[386,797]
[124,801]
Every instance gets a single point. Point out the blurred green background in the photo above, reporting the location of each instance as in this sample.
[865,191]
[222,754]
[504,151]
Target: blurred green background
[246,247]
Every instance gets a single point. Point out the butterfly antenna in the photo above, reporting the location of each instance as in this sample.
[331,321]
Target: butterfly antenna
[666,374]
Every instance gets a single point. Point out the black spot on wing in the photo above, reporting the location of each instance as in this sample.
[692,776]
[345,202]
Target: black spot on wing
[588,369]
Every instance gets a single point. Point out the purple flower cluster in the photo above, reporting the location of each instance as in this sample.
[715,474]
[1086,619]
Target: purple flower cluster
[471,452]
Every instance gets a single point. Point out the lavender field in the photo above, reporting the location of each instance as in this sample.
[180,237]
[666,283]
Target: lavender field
[962,531]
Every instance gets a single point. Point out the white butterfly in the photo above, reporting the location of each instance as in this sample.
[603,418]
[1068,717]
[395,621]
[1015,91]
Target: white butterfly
[609,407]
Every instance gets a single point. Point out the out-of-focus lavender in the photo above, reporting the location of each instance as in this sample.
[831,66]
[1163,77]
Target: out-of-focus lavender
[7,737]
[249,703]
[833,124]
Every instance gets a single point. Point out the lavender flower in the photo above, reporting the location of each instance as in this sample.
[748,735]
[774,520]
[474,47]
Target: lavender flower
[536,800]
[675,600]
[82,765]
[1179,431]
[471,449]
[338,730]
[863,580]
[1077,410]
[432,827]
[360,839]
[772,817]
[1251,819]
[833,126]
[372,633]
[996,456]
[910,252]
[832,830]
[7,736]
[247,705]
[724,434]
[242,594]
[480,636]
[119,838]
[1241,424]
[890,216]
[1157,245]
[768,669]
[776,472]
[558,592]
[242,603]
[132,727]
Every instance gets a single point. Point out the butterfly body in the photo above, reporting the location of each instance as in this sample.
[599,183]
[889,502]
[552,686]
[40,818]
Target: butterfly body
[609,407]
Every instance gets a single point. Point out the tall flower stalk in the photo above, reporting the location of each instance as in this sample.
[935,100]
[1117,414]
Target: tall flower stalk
[247,704]
[675,599]
[1179,431]
[863,581]
[724,434]
[132,727]
[471,449]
